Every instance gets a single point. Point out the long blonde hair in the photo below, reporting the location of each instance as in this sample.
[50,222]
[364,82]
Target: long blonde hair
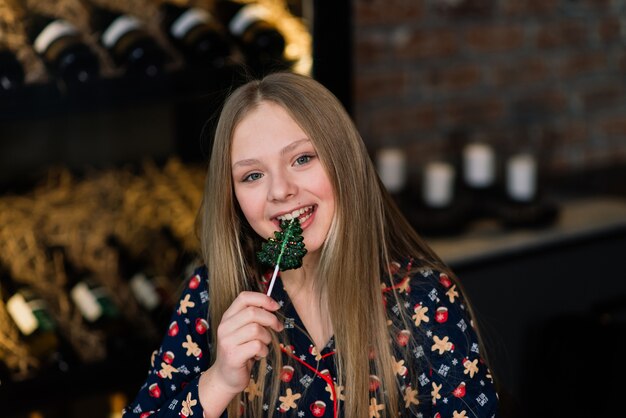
[368,231]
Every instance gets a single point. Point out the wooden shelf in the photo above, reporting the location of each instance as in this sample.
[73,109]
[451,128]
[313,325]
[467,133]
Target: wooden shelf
[579,219]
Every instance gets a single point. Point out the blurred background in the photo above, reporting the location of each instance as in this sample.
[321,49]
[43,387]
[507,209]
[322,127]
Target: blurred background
[498,125]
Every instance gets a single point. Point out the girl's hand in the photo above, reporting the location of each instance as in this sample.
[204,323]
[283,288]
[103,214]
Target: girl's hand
[242,337]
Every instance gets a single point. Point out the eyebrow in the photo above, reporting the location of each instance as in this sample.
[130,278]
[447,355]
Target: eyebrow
[287,149]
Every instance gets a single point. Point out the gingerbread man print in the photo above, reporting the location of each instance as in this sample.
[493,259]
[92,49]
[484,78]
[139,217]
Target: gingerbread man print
[167,370]
[185,304]
[288,401]
[192,348]
[471,367]
[410,397]
[435,392]
[452,294]
[253,390]
[420,314]
[188,403]
[442,344]
[375,408]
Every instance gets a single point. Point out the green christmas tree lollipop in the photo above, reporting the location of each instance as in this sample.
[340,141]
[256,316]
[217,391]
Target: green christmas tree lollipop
[285,250]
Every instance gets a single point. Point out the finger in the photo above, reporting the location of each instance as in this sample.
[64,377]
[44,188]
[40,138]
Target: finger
[251,314]
[246,299]
[250,332]
[244,353]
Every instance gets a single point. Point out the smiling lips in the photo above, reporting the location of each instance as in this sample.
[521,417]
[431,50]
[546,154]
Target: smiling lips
[303,214]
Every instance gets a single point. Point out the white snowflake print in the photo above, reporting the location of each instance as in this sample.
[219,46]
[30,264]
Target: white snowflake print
[300,413]
[429,333]
[454,362]
[303,357]
[445,400]
[173,388]
[187,321]
[281,303]
[407,305]
[266,407]
[196,369]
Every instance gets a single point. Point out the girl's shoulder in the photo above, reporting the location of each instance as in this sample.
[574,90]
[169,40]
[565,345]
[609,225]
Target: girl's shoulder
[431,323]
[415,278]
[198,279]
[194,298]
[431,298]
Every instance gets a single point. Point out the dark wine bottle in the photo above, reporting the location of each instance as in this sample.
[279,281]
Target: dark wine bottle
[32,318]
[62,49]
[197,34]
[94,302]
[260,41]
[96,306]
[141,280]
[127,41]
[11,71]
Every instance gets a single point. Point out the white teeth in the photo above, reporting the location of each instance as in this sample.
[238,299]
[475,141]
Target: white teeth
[296,213]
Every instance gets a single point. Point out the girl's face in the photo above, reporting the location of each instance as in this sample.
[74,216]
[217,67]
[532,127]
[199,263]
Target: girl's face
[277,175]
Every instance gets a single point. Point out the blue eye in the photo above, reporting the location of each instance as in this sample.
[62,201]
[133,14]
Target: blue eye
[303,159]
[252,177]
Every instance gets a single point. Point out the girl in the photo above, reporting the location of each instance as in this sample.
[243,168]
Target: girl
[372,324]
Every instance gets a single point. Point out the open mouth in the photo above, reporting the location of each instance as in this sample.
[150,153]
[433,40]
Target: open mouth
[303,214]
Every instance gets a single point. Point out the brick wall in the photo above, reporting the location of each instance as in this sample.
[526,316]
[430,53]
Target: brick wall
[544,75]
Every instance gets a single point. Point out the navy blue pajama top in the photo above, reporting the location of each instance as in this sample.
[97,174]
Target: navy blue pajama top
[451,379]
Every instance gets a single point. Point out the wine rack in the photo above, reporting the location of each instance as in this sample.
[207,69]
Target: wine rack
[47,123]
[70,220]
[192,65]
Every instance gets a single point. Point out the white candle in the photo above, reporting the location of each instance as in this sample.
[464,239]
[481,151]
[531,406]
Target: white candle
[521,177]
[438,184]
[391,166]
[479,165]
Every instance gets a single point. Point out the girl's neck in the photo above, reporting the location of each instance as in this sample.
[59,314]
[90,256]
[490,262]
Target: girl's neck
[303,279]
[302,287]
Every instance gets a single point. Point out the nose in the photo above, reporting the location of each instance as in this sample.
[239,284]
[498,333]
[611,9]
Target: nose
[282,187]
